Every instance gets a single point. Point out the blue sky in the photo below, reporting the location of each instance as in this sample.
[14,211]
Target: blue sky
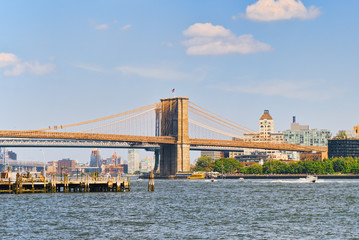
[68,61]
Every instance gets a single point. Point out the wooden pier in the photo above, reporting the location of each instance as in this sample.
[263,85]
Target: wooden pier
[28,184]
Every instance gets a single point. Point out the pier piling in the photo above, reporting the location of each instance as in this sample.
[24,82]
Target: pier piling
[31,184]
[151,182]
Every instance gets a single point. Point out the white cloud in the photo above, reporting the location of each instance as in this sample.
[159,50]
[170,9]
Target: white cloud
[90,67]
[271,10]
[208,39]
[127,26]
[101,27]
[7,59]
[38,69]
[154,73]
[15,66]
[206,30]
[292,90]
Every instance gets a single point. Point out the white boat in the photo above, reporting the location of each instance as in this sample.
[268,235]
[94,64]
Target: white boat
[309,178]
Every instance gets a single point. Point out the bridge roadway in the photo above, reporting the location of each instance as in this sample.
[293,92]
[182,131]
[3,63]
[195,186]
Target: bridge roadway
[46,139]
[70,143]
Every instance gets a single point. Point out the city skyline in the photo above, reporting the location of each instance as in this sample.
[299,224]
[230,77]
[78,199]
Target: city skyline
[67,62]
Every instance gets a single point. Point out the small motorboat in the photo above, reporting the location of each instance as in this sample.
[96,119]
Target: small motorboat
[309,178]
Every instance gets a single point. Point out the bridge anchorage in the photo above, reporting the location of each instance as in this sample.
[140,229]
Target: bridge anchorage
[170,128]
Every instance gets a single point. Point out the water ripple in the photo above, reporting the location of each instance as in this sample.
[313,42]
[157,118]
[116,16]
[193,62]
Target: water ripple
[226,209]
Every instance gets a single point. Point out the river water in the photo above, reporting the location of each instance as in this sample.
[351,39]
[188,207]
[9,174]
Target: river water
[183,209]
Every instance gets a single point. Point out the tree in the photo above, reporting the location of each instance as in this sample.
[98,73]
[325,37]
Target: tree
[338,164]
[295,167]
[275,166]
[341,135]
[328,166]
[204,164]
[254,169]
[230,165]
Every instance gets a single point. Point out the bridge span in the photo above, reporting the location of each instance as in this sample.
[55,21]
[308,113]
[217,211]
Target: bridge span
[75,143]
[85,140]
[171,141]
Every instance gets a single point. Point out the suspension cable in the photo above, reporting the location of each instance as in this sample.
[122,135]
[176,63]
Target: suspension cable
[244,130]
[118,121]
[240,126]
[212,129]
[215,121]
[99,119]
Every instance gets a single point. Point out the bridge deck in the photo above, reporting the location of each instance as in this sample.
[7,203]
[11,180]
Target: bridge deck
[141,141]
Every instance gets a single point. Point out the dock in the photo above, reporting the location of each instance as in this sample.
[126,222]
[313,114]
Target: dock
[27,184]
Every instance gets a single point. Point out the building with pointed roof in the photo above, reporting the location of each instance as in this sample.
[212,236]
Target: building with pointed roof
[266,126]
[265,134]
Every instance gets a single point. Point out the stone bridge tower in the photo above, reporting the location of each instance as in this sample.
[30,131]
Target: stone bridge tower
[174,158]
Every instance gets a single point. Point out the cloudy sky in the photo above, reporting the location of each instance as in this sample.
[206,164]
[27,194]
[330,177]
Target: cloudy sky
[70,61]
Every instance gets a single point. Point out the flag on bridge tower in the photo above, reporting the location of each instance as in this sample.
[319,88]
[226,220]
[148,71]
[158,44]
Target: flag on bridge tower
[173,91]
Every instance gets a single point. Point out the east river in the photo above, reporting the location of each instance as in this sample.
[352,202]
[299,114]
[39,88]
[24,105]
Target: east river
[183,209]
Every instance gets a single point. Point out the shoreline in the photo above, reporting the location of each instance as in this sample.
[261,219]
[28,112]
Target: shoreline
[263,176]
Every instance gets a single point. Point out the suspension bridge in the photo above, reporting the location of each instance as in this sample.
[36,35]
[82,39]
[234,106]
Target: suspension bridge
[170,128]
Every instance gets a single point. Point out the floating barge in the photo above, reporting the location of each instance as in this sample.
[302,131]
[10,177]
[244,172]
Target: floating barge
[27,184]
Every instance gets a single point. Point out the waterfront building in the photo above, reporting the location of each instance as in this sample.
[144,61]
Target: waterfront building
[133,160]
[66,165]
[343,148]
[253,157]
[52,167]
[356,129]
[266,131]
[95,159]
[212,154]
[147,164]
[265,134]
[220,154]
[116,159]
[266,126]
[302,135]
[112,169]
[125,167]
[310,156]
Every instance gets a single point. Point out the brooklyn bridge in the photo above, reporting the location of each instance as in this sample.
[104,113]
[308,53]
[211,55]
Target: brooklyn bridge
[170,128]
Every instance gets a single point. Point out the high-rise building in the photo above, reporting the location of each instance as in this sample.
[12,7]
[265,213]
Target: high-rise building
[302,135]
[133,160]
[95,160]
[265,134]
[116,159]
[266,126]
[266,131]
[147,164]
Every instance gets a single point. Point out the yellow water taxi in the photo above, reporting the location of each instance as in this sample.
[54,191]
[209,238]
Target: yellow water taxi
[197,176]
